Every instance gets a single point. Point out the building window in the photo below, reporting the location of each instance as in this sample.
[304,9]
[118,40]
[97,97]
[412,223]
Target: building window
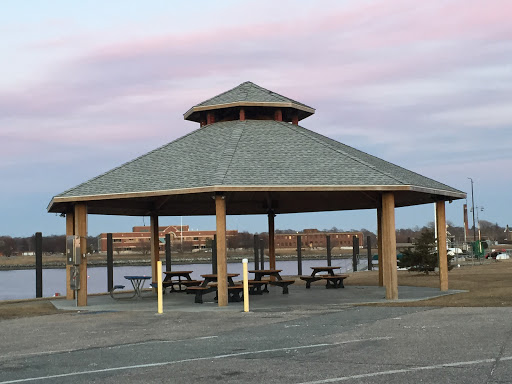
[117,240]
[196,238]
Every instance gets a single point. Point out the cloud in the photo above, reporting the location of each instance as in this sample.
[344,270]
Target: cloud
[413,83]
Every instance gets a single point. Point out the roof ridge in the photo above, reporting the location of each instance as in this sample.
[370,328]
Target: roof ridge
[131,161]
[223,93]
[330,146]
[229,150]
[278,94]
[258,87]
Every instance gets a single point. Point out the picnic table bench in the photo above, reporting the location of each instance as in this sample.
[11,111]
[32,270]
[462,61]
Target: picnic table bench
[332,280]
[235,292]
[178,281]
[258,281]
[209,284]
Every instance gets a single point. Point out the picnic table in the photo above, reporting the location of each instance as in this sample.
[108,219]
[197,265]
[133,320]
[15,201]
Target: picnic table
[209,284]
[174,278]
[212,278]
[332,280]
[258,282]
[137,283]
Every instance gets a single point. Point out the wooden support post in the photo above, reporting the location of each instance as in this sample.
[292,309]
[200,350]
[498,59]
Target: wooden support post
[39,264]
[242,114]
[355,252]
[222,270]
[379,246]
[256,252]
[110,262]
[81,230]
[168,252]
[155,246]
[328,241]
[262,254]
[278,115]
[389,246]
[441,245]
[299,255]
[214,254]
[295,119]
[369,250]
[271,243]
[70,230]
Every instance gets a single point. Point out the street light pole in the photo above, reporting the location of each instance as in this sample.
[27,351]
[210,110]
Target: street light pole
[473,209]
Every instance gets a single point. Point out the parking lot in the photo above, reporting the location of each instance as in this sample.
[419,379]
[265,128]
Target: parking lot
[315,343]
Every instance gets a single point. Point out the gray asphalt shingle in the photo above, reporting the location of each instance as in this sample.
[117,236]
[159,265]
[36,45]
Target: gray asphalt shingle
[250,92]
[251,153]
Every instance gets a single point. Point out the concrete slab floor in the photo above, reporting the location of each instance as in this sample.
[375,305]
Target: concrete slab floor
[317,297]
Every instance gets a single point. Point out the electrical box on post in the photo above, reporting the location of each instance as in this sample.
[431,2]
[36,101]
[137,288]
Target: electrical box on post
[74,278]
[73,253]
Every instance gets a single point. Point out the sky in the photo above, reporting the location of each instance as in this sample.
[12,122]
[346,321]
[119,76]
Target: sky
[87,86]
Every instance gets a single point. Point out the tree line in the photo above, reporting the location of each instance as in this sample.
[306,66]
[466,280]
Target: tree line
[55,244]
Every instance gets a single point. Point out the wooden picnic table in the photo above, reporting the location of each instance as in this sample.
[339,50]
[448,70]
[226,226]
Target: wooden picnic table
[173,278]
[212,278]
[332,280]
[259,273]
[327,269]
[258,281]
[205,287]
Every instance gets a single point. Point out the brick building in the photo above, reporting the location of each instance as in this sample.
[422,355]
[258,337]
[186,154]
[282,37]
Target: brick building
[313,238]
[139,239]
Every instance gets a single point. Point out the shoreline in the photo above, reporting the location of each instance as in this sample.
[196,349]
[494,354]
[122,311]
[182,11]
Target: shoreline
[179,261]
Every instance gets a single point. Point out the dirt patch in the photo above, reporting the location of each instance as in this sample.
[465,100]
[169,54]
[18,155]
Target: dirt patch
[26,308]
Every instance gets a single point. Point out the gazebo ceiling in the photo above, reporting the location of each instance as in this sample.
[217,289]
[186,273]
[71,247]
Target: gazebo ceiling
[257,164]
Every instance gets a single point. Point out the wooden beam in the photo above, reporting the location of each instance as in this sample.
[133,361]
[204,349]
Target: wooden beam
[81,230]
[271,242]
[236,188]
[70,230]
[155,246]
[222,270]
[379,246]
[441,245]
[389,246]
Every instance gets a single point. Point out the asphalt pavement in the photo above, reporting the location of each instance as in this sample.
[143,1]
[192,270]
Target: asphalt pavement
[315,341]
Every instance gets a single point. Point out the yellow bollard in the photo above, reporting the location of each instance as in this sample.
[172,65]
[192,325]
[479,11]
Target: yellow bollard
[246,285]
[159,287]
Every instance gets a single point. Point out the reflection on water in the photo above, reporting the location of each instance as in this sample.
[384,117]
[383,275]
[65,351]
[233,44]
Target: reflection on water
[21,284]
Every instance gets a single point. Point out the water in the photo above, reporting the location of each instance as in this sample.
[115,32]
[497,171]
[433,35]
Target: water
[21,284]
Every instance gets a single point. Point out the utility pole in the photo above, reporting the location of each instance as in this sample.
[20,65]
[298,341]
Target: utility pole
[473,209]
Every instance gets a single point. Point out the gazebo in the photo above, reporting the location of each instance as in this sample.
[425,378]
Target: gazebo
[251,156]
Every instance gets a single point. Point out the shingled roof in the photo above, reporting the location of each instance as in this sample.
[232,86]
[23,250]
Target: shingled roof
[248,94]
[258,163]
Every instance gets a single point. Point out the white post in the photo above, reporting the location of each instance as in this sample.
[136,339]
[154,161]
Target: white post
[159,287]
[246,285]
[435,221]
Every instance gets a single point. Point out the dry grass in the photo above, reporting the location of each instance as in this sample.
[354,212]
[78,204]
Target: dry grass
[26,308]
[489,285]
